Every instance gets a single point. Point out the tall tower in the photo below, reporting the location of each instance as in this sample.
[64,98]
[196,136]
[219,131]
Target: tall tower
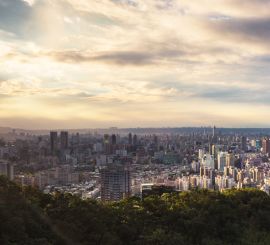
[64,140]
[106,144]
[115,183]
[53,142]
[244,143]
[214,131]
[130,139]
[135,139]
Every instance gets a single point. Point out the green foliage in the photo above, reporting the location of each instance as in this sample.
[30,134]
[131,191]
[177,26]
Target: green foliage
[199,217]
[22,223]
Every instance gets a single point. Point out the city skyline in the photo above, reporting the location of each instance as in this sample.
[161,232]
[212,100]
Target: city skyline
[134,63]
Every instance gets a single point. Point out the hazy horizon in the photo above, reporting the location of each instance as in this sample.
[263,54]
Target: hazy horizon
[134,63]
[111,128]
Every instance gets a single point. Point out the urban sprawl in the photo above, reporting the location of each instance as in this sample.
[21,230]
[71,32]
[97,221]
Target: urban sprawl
[112,164]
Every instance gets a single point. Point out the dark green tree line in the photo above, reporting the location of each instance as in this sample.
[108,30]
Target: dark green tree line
[199,217]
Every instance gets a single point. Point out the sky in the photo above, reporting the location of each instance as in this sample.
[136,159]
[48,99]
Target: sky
[134,63]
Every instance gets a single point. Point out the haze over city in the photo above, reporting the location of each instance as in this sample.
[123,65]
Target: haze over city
[129,63]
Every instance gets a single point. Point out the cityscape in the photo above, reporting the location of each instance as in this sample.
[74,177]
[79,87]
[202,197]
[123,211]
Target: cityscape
[115,165]
[134,122]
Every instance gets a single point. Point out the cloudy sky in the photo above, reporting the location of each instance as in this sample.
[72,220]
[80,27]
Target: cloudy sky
[129,63]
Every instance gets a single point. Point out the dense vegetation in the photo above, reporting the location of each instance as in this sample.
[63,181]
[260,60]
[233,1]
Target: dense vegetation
[198,217]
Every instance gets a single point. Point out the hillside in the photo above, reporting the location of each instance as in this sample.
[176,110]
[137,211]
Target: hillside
[199,217]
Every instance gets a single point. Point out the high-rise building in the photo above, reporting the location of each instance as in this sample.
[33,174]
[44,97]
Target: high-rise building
[7,169]
[214,135]
[77,139]
[259,175]
[230,159]
[221,159]
[210,148]
[113,139]
[64,140]
[130,139]
[201,153]
[206,172]
[258,144]
[106,139]
[208,161]
[135,139]
[156,140]
[53,142]
[214,131]
[106,144]
[115,183]
[266,146]
[244,143]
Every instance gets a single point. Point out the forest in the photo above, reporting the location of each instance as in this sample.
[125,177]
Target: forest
[198,217]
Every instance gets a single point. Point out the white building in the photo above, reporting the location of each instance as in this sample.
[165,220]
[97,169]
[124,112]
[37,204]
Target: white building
[221,159]
[208,161]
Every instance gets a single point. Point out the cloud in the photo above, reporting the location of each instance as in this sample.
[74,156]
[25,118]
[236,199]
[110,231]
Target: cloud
[159,53]
[121,58]
[30,2]
[118,61]
[117,58]
[254,30]
[13,13]
[133,3]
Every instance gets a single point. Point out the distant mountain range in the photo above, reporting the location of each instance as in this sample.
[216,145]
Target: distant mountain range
[163,130]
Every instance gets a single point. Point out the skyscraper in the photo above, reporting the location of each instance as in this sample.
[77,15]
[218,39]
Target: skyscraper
[135,139]
[155,139]
[230,159]
[64,140]
[106,139]
[53,142]
[244,143]
[214,135]
[115,183]
[266,146]
[221,159]
[106,144]
[130,139]
[214,131]
[113,139]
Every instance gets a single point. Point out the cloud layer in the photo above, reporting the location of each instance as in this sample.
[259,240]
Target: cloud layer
[98,63]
